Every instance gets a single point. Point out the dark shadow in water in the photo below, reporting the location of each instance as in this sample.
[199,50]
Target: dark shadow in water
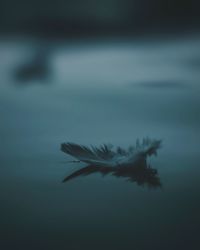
[142,174]
[160,85]
[36,69]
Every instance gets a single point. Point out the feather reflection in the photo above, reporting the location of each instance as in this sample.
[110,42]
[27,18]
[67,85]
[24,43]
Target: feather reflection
[142,174]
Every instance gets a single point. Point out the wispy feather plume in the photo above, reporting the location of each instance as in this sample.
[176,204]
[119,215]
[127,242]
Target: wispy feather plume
[130,164]
[105,155]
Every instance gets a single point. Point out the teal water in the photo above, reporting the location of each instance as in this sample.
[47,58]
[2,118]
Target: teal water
[99,92]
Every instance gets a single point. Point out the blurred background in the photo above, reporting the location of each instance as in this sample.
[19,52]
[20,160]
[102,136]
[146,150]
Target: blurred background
[93,72]
[67,18]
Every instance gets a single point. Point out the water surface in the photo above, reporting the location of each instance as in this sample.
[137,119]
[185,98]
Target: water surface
[98,92]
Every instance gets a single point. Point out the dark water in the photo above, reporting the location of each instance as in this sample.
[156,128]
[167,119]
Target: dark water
[93,93]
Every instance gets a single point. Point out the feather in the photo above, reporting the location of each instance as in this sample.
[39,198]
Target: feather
[94,155]
[106,156]
[130,164]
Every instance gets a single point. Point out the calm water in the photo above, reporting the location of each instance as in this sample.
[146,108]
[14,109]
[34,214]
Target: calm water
[95,92]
